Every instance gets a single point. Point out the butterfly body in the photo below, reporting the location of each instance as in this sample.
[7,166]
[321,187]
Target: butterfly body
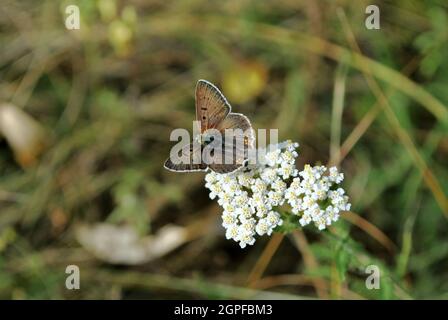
[206,138]
[224,138]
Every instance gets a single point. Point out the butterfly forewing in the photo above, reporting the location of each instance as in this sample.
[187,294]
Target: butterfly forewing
[211,105]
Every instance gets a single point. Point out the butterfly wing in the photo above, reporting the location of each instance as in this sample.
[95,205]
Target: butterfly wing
[237,145]
[233,156]
[211,105]
[224,168]
[188,150]
[238,121]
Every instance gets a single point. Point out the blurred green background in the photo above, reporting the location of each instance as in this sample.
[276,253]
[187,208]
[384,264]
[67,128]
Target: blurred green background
[85,119]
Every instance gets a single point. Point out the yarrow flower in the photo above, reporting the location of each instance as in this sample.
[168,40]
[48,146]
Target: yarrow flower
[315,196]
[251,197]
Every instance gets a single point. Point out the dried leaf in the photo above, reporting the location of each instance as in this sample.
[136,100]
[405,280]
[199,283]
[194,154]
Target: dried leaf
[122,244]
[25,135]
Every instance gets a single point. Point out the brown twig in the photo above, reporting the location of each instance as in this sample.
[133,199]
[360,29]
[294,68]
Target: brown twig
[370,229]
[263,261]
[310,262]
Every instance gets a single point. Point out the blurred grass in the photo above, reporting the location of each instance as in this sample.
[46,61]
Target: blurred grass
[110,93]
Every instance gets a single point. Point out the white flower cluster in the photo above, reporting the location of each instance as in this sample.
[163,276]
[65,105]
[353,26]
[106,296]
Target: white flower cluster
[251,197]
[316,197]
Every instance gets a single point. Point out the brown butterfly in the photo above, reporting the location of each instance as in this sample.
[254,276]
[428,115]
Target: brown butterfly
[213,112]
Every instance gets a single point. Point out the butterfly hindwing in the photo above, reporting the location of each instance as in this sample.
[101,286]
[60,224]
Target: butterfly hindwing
[232,158]
[235,143]
[188,150]
[224,168]
[237,121]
